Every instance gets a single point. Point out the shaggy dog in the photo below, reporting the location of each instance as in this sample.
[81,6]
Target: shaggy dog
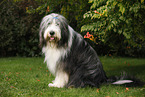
[69,57]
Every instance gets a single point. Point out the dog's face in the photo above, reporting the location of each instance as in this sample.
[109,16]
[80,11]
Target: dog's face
[54,29]
[53,32]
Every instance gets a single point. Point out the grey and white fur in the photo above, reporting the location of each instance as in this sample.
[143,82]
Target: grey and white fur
[69,57]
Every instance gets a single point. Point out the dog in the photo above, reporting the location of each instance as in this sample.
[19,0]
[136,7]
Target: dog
[69,57]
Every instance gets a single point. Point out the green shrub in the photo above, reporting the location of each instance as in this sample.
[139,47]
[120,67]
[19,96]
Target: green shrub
[19,31]
[119,24]
[21,20]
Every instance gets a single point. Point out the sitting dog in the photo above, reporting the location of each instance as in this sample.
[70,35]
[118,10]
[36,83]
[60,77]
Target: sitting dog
[69,57]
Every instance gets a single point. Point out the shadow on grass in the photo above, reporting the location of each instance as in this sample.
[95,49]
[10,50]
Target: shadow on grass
[140,69]
[135,70]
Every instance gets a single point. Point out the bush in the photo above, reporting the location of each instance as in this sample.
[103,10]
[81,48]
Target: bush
[19,31]
[118,24]
[21,19]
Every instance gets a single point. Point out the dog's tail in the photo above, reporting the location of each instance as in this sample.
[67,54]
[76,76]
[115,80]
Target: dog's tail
[125,79]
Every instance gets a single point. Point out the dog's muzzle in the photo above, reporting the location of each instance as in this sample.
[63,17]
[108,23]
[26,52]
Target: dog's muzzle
[51,37]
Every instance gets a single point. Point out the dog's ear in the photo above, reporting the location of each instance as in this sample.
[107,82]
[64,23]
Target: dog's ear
[64,34]
[43,26]
[40,40]
[65,31]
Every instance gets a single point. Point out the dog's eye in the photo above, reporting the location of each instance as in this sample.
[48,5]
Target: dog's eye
[49,23]
[57,24]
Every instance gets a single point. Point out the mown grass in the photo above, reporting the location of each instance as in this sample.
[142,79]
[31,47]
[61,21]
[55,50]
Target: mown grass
[29,77]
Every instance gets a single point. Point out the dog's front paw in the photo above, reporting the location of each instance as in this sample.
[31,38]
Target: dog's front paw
[55,85]
[51,85]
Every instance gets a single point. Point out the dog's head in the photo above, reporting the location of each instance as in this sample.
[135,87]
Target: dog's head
[54,29]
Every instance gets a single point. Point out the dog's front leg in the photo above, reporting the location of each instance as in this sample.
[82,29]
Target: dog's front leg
[61,80]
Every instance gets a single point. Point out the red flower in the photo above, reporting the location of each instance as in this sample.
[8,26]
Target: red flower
[88,35]
[85,36]
[96,11]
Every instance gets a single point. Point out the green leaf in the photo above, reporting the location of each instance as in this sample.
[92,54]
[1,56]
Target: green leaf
[142,1]
[95,16]
[121,8]
[126,35]
[114,3]
[120,31]
[90,1]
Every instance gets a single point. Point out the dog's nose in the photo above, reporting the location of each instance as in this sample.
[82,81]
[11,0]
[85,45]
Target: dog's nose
[52,33]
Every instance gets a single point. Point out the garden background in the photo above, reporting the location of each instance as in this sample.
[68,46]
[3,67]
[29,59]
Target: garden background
[117,27]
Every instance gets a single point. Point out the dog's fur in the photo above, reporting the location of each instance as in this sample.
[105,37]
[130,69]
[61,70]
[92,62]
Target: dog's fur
[69,57]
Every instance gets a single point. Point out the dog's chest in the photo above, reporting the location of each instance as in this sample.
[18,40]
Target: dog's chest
[52,57]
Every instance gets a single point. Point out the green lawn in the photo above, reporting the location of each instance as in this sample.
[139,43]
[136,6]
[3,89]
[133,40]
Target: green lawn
[29,77]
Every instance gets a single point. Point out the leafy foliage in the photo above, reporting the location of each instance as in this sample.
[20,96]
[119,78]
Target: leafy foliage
[115,26]
[73,10]
[118,23]
[19,32]
[21,18]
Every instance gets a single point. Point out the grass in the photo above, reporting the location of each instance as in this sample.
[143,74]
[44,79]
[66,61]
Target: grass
[29,77]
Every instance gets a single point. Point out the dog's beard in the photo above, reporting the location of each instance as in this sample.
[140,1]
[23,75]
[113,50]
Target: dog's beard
[52,41]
